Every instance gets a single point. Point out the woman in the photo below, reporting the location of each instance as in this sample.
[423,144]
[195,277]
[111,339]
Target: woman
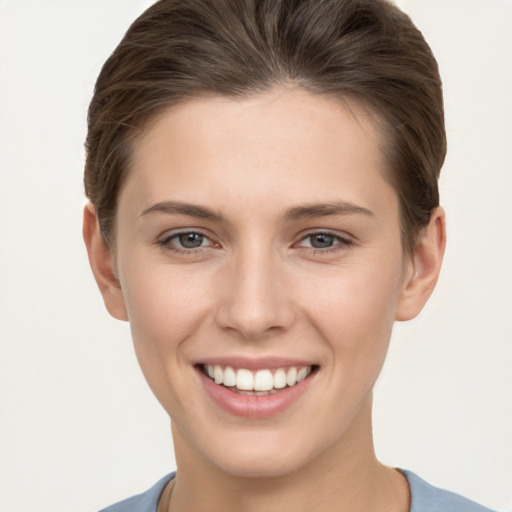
[262,178]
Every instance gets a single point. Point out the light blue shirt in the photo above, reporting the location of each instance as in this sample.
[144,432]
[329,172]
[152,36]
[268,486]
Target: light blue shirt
[424,498]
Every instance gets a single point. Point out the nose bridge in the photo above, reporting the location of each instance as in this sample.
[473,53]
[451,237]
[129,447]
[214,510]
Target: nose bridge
[254,301]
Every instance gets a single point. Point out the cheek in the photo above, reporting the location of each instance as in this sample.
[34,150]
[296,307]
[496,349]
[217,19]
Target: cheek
[161,303]
[353,309]
[164,309]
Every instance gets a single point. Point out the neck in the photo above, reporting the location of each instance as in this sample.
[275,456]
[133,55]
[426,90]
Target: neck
[347,477]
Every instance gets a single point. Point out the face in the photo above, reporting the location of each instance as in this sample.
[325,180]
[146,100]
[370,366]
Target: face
[257,239]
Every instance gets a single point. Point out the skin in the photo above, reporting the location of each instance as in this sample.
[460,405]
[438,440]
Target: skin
[258,288]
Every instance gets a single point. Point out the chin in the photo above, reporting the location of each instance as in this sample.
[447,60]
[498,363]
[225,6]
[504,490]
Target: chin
[260,467]
[263,456]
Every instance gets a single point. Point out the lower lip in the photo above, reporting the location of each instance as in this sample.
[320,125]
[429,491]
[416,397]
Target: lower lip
[254,406]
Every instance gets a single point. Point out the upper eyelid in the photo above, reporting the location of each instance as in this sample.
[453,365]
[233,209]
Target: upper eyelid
[170,233]
[331,232]
[339,240]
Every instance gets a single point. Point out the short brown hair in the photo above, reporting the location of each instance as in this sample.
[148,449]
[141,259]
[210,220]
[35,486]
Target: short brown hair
[366,51]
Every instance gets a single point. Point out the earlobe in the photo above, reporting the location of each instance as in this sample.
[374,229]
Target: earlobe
[101,260]
[425,266]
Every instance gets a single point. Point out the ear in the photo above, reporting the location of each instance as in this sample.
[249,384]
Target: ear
[423,268]
[101,260]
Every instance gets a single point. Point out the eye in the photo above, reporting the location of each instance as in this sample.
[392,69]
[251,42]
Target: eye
[186,241]
[324,240]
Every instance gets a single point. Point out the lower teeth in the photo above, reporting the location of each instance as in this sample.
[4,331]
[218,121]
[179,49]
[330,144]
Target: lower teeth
[253,393]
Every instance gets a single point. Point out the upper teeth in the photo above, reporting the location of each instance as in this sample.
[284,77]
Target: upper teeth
[262,380]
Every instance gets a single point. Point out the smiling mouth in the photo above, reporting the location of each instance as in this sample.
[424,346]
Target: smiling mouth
[257,383]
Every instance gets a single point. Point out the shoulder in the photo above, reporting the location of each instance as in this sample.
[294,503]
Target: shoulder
[145,502]
[427,498]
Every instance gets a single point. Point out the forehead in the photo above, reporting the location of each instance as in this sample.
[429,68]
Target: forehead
[287,145]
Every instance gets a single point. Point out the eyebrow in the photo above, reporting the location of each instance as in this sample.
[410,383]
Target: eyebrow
[179,208]
[309,211]
[315,211]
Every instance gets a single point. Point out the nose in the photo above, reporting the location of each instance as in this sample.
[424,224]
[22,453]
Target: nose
[255,301]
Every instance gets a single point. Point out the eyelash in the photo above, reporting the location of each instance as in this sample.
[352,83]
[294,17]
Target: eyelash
[340,243]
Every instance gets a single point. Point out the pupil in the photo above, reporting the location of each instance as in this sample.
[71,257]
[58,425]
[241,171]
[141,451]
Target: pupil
[321,241]
[191,240]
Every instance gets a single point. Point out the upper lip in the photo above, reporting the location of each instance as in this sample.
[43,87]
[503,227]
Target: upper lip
[263,363]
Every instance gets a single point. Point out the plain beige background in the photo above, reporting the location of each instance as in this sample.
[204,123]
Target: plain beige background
[79,428]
